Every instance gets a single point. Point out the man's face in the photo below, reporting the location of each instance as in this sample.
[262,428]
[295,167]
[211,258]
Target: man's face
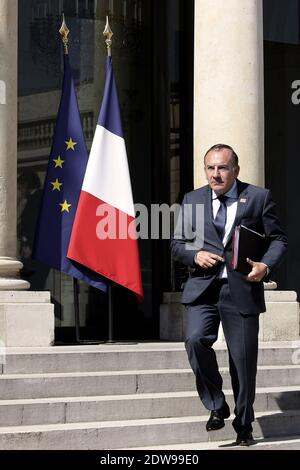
[220,170]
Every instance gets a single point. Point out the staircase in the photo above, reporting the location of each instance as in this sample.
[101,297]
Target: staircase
[132,396]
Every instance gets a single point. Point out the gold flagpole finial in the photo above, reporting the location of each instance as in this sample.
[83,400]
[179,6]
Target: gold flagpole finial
[108,34]
[64,31]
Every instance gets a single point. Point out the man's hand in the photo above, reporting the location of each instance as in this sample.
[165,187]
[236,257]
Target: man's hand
[206,260]
[258,272]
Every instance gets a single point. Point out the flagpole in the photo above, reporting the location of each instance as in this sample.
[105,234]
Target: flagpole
[108,34]
[64,32]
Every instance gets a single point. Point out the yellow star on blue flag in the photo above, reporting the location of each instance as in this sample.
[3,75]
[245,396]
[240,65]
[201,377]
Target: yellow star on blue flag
[65,206]
[58,162]
[71,144]
[56,185]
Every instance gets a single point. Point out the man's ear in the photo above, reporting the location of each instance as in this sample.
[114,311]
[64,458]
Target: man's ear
[237,170]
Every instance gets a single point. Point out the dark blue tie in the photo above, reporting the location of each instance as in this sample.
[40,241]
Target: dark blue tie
[220,219]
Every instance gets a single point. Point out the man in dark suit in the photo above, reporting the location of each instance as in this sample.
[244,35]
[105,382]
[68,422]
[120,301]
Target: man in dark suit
[215,292]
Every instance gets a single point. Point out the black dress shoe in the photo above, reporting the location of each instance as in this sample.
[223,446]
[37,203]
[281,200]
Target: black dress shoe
[244,438]
[216,420]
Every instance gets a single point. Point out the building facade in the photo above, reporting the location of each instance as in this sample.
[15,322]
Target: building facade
[190,74]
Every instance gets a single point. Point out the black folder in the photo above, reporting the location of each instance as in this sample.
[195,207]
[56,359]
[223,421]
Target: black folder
[247,244]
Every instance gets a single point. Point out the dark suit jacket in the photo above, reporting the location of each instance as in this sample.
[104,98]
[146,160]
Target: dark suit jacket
[255,210]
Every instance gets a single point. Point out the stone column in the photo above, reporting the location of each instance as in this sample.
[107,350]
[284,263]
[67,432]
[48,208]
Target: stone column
[9,266]
[229,104]
[26,318]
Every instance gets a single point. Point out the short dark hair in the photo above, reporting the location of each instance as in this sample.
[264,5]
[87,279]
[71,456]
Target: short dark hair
[218,147]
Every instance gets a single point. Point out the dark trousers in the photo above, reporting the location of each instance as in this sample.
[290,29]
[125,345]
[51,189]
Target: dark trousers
[241,334]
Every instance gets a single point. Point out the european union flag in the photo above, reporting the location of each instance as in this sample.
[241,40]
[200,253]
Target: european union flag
[65,173]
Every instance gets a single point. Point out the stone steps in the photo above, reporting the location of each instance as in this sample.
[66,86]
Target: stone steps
[126,382]
[125,396]
[125,357]
[261,443]
[130,434]
[21,412]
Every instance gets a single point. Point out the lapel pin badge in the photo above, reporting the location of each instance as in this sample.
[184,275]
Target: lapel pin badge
[243,199]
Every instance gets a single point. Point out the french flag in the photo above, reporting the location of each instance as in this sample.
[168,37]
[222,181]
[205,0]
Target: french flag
[103,236]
